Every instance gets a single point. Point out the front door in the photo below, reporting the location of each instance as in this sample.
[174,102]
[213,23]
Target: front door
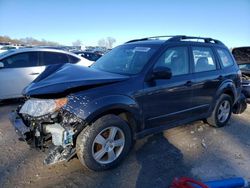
[169,100]
[18,71]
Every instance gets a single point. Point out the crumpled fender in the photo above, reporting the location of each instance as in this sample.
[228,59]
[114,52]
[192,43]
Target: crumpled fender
[87,109]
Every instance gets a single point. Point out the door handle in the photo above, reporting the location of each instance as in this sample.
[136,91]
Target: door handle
[34,73]
[189,83]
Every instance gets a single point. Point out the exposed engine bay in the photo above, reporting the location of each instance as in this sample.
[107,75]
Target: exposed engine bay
[47,125]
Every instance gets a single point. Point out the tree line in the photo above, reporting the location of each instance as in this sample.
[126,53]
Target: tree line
[27,41]
[104,42]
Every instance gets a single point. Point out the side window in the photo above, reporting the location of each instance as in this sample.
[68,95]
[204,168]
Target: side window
[27,59]
[203,59]
[176,59]
[54,58]
[73,59]
[225,57]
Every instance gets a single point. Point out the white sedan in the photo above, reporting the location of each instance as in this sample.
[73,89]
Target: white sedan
[20,67]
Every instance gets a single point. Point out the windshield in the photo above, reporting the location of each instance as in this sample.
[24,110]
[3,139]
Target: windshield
[8,47]
[244,66]
[125,59]
[6,52]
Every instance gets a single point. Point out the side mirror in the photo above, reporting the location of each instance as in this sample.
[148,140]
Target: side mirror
[1,65]
[162,73]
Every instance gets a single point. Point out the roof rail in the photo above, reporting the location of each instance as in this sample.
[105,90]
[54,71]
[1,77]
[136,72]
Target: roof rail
[206,40]
[177,38]
[154,37]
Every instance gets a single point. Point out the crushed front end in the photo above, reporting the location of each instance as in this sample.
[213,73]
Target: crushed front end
[46,125]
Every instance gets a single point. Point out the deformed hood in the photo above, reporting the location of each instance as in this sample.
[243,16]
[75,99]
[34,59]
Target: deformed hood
[62,78]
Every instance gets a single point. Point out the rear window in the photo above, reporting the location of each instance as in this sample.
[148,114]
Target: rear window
[225,57]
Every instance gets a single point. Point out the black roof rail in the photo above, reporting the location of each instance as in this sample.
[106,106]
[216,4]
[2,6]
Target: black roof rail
[206,40]
[178,38]
[154,37]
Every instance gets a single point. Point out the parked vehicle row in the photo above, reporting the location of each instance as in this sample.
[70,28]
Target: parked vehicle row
[141,87]
[20,67]
[92,56]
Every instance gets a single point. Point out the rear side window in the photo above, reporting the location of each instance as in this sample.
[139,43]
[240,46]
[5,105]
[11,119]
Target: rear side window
[49,58]
[176,59]
[225,57]
[203,59]
[73,59]
[27,59]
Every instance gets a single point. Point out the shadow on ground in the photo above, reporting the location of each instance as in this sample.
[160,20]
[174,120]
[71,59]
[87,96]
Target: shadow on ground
[160,162]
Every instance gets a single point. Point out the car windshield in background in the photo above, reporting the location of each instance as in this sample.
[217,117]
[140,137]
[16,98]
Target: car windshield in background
[245,66]
[6,52]
[125,59]
[8,47]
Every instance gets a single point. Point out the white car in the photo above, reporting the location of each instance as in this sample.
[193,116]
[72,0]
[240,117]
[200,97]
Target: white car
[7,47]
[20,67]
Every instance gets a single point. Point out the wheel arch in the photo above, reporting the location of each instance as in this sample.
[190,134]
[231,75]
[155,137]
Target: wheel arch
[123,106]
[228,88]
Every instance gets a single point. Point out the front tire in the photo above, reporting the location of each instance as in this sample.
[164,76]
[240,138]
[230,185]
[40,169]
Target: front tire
[104,144]
[222,111]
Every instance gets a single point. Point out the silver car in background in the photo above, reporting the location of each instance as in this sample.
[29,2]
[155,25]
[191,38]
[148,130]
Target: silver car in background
[20,67]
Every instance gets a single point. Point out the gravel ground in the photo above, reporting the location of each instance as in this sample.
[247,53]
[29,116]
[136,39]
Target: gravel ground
[195,150]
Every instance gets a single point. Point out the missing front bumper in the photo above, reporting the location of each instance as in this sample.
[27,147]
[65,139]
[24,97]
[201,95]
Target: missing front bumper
[21,129]
[55,153]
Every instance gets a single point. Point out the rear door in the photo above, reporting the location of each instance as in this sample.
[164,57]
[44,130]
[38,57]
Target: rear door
[18,71]
[208,77]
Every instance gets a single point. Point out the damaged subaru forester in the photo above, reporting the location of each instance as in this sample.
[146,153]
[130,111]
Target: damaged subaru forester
[141,87]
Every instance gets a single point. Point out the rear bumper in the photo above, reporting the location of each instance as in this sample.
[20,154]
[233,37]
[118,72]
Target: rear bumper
[22,130]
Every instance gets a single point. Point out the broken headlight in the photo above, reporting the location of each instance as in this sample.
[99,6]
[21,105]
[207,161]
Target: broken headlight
[40,107]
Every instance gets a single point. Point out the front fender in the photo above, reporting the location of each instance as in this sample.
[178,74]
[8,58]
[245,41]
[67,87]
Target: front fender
[88,109]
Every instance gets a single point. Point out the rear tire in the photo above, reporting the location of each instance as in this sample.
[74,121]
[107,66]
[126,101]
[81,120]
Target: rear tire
[104,144]
[222,111]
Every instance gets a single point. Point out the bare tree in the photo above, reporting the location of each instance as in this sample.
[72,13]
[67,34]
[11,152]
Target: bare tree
[102,43]
[107,43]
[110,42]
[77,43]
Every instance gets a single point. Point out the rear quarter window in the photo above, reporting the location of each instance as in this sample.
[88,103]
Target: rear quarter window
[73,59]
[225,57]
[50,58]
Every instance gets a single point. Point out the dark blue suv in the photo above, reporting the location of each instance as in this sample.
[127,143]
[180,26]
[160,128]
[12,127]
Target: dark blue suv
[139,88]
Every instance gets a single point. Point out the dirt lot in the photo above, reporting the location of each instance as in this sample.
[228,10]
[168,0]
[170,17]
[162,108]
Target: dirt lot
[195,150]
